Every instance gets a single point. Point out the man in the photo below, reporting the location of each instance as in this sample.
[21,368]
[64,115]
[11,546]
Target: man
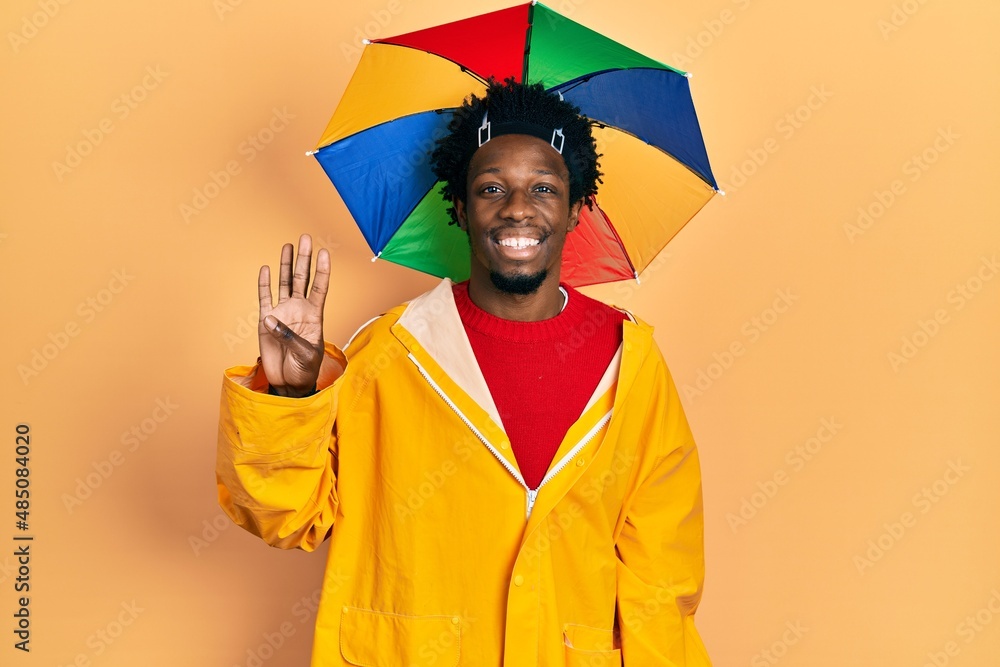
[495,491]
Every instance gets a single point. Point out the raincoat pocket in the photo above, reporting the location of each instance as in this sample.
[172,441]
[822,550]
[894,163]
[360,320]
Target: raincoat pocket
[576,658]
[590,647]
[377,639]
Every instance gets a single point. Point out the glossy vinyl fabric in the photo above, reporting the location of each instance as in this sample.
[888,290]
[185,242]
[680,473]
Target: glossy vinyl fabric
[439,554]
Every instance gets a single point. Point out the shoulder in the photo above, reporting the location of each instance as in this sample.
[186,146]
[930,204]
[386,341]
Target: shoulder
[422,308]
[373,331]
[641,344]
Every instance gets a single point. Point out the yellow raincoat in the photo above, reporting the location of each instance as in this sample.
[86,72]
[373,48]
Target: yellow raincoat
[440,555]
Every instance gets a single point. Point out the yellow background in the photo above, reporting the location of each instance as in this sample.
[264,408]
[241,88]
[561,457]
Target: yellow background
[810,111]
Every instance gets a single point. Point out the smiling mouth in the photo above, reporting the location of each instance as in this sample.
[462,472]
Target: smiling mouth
[518,242]
[519,248]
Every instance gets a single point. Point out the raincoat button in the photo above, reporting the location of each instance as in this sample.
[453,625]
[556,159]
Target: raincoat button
[628,347]
[579,462]
[455,620]
[518,580]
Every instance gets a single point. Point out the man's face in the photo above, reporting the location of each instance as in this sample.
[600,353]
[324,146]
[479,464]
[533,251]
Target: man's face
[517,212]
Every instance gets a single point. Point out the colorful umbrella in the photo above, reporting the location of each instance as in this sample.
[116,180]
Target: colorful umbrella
[406,89]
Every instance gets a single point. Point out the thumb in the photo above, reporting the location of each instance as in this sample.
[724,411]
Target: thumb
[290,340]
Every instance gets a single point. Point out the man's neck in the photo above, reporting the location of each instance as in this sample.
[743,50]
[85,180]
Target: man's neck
[544,303]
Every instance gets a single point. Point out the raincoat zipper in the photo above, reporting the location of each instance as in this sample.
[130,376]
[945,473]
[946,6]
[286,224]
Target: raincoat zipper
[532,494]
[440,392]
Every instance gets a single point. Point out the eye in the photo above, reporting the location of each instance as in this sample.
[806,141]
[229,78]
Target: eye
[490,190]
[545,189]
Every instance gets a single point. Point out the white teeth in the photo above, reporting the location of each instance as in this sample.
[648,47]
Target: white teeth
[518,242]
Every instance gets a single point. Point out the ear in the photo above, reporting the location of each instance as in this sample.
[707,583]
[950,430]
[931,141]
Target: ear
[463,221]
[574,215]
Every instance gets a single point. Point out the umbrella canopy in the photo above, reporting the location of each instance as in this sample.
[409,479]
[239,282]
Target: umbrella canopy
[406,89]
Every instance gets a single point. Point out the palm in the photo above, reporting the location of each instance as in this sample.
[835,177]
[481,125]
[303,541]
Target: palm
[291,349]
[281,365]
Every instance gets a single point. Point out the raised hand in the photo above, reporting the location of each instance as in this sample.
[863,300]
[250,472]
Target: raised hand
[291,332]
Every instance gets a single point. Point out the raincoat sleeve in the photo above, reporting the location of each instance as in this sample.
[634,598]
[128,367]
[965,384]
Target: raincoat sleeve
[277,457]
[661,564]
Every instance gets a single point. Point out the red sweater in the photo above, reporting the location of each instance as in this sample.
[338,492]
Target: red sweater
[541,374]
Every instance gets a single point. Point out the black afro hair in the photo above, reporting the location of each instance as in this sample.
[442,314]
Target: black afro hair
[507,102]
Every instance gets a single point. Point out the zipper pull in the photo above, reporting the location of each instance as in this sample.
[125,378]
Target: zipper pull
[532,494]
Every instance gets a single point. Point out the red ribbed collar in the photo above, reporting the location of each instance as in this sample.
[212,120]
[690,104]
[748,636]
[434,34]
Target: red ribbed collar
[554,328]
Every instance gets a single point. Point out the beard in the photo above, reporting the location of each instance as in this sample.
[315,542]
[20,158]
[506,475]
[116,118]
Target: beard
[518,283]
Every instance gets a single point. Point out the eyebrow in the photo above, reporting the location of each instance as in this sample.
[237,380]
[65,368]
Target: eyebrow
[496,170]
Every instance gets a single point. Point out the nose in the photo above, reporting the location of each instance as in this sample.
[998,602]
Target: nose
[517,206]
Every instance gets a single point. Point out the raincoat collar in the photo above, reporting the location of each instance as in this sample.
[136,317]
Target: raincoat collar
[434,324]
[431,330]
